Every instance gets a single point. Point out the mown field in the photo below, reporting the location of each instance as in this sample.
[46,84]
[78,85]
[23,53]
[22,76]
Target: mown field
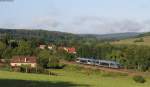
[68,77]
[131,41]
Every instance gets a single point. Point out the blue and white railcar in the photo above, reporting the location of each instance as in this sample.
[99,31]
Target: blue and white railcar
[85,61]
[103,63]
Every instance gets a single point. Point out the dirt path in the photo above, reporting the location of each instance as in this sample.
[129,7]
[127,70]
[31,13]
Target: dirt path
[123,71]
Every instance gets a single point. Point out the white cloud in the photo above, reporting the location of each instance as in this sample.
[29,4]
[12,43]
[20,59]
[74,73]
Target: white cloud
[87,24]
[98,25]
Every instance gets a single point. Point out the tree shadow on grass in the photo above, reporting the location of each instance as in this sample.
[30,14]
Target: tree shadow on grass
[28,83]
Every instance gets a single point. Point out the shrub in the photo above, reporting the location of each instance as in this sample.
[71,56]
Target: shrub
[139,40]
[139,79]
[5,68]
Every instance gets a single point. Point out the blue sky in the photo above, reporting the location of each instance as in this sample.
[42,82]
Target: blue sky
[77,16]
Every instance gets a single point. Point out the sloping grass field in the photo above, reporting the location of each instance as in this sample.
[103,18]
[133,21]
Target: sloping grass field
[69,77]
[131,41]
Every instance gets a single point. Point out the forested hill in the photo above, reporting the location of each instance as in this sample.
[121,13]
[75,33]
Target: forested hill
[56,36]
[38,34]
[144,34]
[112,36]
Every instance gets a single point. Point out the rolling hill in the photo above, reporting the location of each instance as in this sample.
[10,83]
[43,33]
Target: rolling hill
[56,36]
[142,39]
[48,36]
[112,36]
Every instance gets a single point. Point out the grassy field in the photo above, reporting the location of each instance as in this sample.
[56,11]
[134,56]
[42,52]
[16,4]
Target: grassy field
[69,77]
[131,41]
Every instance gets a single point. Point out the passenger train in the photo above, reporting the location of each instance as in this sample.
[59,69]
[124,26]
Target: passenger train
[102,63]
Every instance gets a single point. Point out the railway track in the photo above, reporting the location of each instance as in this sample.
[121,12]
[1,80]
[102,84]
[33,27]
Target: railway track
[122,71]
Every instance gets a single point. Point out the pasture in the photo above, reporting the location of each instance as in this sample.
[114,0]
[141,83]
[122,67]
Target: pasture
[131,41]
[69,77]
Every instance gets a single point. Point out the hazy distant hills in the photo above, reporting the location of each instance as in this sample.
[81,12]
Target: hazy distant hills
[56,35]
[40,34]
[144,34]
[112,36]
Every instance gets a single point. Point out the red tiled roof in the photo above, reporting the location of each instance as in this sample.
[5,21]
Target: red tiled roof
[23,59]
[71,50]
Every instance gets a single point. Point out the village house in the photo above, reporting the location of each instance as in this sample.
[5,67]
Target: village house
[42,46]
[18,61]
[70,50]
[51,47]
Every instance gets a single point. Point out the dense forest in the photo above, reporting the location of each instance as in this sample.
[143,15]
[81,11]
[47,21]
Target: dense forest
[42,35]
[56,36]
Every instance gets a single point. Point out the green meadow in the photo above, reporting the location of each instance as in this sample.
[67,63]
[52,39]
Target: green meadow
[146,41]
[69,77]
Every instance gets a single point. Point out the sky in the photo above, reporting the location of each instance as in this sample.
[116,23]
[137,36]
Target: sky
[77,16]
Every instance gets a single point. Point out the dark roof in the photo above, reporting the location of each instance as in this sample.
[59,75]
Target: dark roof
[23,59]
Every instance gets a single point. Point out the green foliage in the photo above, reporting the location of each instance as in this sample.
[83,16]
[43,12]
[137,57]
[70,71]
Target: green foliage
[64,55]
[130,56]
[53,62]
[43,58]
[2,48]
[139,79]
[24,48]
[38,36]
[46,59]
[70,57]
[7,53]
[139,40]
[25,68]
[5,67]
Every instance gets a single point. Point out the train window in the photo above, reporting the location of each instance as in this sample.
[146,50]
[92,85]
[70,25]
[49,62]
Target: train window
[83,61]
[89,61]
[112,64]
[77,60]
[104,64]
[118,65]
[97,62]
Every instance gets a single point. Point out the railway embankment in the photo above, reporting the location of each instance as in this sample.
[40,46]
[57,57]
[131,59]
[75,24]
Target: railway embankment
[121,71]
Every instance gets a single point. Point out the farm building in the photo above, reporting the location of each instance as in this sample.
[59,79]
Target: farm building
[70,50]
[17,61]
[42,46]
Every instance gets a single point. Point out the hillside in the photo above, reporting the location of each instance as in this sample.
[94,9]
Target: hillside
[48,36]
[144,34]
[56,36]
[142,39]
[115,36]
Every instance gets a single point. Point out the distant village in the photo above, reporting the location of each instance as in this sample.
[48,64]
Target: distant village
[31,61]
[51,47]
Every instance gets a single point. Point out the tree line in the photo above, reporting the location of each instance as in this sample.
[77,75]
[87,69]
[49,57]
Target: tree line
[130,56]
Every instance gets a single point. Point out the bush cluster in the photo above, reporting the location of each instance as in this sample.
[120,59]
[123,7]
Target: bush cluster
[139,79]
